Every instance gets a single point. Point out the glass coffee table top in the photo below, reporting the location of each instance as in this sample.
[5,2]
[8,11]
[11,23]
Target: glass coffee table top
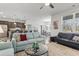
[43,50]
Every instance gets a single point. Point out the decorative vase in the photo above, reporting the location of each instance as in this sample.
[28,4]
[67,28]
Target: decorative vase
[35,47]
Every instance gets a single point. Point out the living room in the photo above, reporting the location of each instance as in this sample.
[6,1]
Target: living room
[39,29]
[17,22]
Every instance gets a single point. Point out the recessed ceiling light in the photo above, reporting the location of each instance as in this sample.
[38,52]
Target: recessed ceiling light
[15,23]
[4,16]
[1,12]
[46,4]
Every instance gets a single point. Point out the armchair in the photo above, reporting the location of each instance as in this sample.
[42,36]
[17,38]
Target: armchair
[6,49]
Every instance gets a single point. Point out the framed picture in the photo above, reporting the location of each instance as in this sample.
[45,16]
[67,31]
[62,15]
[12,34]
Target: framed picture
[5,29]
[55,23]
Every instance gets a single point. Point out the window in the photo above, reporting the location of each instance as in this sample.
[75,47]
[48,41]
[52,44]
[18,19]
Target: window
[77,22]
[67,23]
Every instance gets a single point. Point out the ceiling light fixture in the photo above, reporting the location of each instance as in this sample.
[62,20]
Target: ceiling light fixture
[4,16]
[15,23]
[46,4]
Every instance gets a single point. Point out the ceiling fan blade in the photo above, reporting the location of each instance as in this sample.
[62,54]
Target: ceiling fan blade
[51,5]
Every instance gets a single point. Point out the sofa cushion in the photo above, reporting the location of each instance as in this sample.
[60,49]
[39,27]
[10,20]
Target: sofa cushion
[5,45]
[21,43]
[29,35]
[66,35]
[16,36]
[7,52]
[65,39]
[36,35]
[23,37]
[76,38]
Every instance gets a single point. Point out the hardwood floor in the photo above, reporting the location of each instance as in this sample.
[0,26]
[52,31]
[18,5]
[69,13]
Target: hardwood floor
[56,50]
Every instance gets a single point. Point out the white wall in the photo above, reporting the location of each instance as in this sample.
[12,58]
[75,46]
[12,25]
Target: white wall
[34,23]
[37,23]
[54,32]
[58,17]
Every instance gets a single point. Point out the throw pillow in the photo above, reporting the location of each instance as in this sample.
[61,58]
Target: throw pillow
[76,38]
[36,35]
[17,37]
[23,37]
[29,35]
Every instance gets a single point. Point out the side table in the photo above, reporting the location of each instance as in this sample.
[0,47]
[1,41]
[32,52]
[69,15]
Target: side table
[52,39]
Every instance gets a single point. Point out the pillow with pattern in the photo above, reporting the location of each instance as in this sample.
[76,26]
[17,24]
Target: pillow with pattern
[76,38]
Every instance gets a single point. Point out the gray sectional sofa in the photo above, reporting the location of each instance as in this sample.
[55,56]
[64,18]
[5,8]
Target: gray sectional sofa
[66,39]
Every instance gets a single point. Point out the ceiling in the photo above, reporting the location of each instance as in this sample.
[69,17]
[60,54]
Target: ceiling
[31,11]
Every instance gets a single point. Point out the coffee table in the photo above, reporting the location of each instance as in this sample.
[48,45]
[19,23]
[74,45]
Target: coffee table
[42,51]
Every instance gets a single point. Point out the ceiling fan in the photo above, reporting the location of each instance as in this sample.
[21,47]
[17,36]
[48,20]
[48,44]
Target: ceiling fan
[47,4]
